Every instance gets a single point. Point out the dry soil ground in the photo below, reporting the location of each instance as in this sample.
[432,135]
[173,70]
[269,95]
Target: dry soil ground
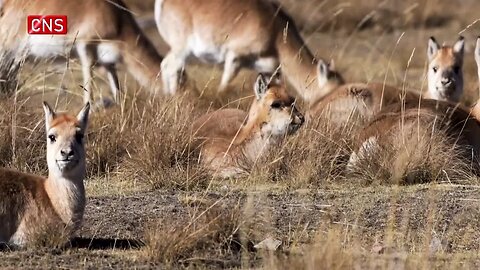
[146,210]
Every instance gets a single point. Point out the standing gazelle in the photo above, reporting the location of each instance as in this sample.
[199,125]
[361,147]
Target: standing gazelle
[254,34]
[32,206]
[102,32]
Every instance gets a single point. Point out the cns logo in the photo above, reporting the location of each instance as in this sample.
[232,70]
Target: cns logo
[47,24]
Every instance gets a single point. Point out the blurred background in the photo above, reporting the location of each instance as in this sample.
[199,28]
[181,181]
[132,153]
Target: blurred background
[373,40]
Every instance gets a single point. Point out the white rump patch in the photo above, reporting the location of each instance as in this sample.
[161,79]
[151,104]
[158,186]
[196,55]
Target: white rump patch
[206,51]
[46,46]
[108,53]
[367,148]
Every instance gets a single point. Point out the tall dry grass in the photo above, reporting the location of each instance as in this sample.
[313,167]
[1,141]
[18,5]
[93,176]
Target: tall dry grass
[160,145]
[211,236]
[148,140]
[9,74]
[418,153]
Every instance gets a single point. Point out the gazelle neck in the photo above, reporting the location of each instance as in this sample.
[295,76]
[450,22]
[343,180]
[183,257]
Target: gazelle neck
[67,194]
[251,140]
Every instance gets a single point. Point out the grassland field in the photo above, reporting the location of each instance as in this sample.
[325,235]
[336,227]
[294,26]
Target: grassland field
[151,206]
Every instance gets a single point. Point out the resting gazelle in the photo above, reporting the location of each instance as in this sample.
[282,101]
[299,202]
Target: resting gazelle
[445,82]
[254,34]
[460,125]
[31,205]
[231,140]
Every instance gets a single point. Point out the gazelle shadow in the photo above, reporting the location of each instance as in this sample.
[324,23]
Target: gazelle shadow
[90,244]
[104,243]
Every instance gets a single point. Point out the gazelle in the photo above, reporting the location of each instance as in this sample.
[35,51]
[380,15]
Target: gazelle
[102,32]
[461,125]
[32,205]
[232,140]
[358,102]
[254,34]
[445,82]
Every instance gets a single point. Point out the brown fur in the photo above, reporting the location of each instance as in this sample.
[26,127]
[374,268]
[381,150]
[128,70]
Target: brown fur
[358,102]
[24,199]
[32,207]
[476,108]
[393,121]
[90,22]
[231,140]
[252,30]
[445,75]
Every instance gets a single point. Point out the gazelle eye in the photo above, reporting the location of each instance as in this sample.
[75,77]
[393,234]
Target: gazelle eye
[435,69]
[79,137]
[456,69]
[52,138]
[276,105]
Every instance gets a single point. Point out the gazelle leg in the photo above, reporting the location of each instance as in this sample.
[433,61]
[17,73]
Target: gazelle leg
[113,81]
[230,71]
[173,66]
[86,60]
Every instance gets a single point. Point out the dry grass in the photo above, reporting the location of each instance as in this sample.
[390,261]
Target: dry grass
[160,145]
[398,203]
[420,153]
[9,70]
[212,236]
[315,156]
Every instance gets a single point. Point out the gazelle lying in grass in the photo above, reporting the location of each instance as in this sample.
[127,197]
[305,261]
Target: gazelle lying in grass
[102,32]
[232,140]
[445,82]
[460,125]
[32,206]
[254,34]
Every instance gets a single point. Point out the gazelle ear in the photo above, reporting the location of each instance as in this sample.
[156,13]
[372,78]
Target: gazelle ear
[275,78]
[322,72]
[82,116]
[49,115]
[459,46]
[331,65]
[261,86]
[477,52]
[433,48]
[322,69]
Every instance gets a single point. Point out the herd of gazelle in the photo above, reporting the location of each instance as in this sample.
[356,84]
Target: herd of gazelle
[253,34]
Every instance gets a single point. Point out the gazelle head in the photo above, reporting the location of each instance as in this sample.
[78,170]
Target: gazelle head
[328,78]
[274,109]
[65,144]
[445,75]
